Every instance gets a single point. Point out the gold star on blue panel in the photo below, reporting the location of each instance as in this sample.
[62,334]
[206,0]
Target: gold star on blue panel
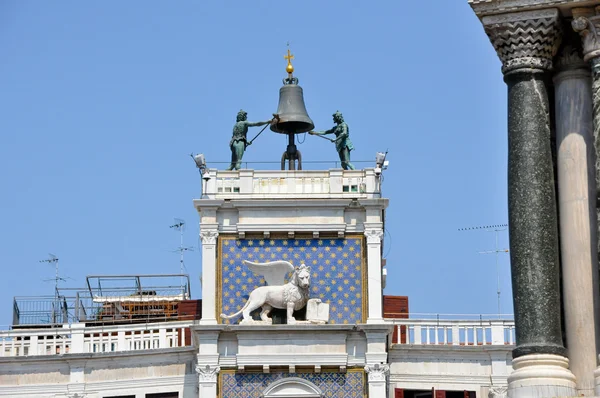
[337,272]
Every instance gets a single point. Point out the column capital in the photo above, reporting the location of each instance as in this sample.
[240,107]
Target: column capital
[377,372]
[209,237]
[208,373]
[525,40]
[374,235]
[587,27]
[570,55]
[498,392]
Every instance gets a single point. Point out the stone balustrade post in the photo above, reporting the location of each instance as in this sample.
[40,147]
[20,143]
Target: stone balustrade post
[498,333]
[336,177]
[121,341]
[246,181]
[526,43]
[77,337]
[34,347]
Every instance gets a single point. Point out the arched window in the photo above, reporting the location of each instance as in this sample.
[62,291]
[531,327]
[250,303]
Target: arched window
[292,387]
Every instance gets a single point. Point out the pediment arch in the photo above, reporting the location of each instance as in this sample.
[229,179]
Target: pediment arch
[292,387]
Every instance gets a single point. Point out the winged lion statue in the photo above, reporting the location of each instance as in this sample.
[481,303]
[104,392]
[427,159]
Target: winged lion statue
[290,296]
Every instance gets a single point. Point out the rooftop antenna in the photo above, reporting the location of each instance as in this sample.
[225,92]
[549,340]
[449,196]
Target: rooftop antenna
[493,228]
[52,259]
[179,225]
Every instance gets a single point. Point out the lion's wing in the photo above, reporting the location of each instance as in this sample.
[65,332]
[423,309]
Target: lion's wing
[273,271]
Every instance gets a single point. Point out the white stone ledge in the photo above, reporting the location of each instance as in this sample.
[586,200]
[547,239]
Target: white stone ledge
[97,355]
[280,359]
[277,328]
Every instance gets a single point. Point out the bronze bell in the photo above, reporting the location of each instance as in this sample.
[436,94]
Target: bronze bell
[293,118]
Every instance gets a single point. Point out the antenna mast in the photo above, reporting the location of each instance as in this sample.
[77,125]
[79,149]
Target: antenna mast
[179,225]
[52,259]
[496,251]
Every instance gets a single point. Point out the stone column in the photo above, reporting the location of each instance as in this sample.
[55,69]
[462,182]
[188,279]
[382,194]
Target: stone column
[526,43]
[209,275]
[586,22]
[577,202]
[374,286]
[377,379]
[207,380]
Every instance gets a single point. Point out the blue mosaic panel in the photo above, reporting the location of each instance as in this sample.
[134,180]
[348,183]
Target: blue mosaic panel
[337,272]
[252,385]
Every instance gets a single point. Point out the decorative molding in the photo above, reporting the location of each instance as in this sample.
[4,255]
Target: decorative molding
[298,386]
[498,392]
[527,39]
[374,235]
[281,359]
[588,30]
[377,372]
[296,228]
[208,373]
[209,237]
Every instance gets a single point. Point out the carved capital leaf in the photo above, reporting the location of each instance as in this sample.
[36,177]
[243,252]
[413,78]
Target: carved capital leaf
[527,39]
[209,237]
[208,373]
[498,392]
[569,58]
[377,372]
[374,235]
[588,30]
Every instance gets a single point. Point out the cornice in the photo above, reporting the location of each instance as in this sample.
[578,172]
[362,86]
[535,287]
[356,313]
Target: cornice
[163,353]
[489,7]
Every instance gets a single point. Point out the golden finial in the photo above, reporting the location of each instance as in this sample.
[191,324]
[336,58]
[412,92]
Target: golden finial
[289,68]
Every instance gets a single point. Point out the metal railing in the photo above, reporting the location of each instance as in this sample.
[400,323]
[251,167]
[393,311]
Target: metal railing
[107,299]
[306,164]
[41,310]
[77,338]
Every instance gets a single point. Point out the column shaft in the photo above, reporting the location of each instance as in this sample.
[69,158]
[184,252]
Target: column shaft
[209,276]
[527,42]
[576,193]
[532,216]
[374,285]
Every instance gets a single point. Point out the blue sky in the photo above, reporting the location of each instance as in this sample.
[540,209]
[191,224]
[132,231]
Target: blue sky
[102,102]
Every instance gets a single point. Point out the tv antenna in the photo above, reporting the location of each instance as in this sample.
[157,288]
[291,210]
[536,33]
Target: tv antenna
[52,259]
[180,226]
[493,228]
